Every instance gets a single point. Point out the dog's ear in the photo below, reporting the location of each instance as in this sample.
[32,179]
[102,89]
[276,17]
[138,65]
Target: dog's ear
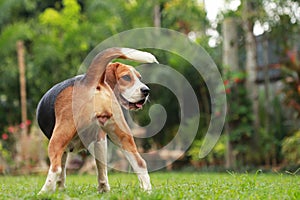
[110,75]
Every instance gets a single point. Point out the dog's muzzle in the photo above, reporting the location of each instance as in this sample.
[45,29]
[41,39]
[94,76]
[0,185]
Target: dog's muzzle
[133,105]
[145,91]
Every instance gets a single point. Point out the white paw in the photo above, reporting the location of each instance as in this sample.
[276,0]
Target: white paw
[104,187]
[145,182]
[50,184]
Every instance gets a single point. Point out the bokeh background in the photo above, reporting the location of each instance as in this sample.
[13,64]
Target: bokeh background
[255,45]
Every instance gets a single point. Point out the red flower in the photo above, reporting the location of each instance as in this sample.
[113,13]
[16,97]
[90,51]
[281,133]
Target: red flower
[226,82]
[4,136]
[292,54]
[28,122]
[11,129]
[25,124]
[237,80]
[22,125]
[227,90]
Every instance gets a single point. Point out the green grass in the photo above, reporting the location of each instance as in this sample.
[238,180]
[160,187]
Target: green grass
[165,186]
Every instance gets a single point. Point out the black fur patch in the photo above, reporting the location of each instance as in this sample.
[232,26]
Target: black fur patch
[45,111]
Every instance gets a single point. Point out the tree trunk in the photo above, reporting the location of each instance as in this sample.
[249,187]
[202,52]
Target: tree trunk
[157,15]
[22,79]
[21,62]
[267,84]
[251,63]
[230,48]
[230,59]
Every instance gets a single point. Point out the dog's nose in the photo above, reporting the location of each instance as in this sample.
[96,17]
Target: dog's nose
[145,91]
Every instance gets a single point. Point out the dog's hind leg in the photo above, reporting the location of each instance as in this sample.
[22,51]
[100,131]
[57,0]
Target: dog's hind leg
[56,149]
[101,162]
[62,178]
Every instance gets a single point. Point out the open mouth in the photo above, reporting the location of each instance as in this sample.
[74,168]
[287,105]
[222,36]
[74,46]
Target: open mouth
[130,105]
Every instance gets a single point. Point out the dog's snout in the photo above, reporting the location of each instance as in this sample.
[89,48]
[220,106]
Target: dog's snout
[145,91]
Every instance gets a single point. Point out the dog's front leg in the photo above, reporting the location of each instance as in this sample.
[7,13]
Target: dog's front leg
[140,168]
[136,161]
[101,162]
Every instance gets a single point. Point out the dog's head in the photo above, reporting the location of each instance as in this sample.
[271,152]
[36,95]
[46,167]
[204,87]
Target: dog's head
[126,83]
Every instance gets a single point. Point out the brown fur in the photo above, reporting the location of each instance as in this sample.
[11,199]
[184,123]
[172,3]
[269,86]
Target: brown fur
[92,99]
[65,128]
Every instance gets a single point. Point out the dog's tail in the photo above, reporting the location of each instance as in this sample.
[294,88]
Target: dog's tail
[102,59]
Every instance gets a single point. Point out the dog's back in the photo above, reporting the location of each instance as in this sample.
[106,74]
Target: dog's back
[45,110]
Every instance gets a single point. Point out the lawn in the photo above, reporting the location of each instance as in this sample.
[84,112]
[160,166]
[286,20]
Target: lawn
[165,186]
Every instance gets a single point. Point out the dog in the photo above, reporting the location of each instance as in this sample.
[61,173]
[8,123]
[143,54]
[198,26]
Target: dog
[70,110]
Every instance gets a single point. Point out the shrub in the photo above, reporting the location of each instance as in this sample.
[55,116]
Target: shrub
[291,148]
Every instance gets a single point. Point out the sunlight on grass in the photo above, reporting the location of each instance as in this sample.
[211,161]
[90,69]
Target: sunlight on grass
[165,186]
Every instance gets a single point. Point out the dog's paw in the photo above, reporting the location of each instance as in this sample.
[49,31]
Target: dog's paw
[103,187]
[47,189]
[145,183]
[43,192]
[61,188]
[148,189]
[61,185]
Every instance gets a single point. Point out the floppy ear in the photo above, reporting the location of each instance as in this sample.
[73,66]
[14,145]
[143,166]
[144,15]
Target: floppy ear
[110,75]
[96,69]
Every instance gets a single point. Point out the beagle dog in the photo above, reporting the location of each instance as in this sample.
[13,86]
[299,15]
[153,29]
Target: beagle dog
[69,112]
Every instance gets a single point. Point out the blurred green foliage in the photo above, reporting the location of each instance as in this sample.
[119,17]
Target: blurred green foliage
[291,149]
[59,34]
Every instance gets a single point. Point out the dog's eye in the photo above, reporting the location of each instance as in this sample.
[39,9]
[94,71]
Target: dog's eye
[126,78]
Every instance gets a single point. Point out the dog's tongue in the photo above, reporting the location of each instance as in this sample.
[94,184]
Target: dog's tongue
[139,105]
